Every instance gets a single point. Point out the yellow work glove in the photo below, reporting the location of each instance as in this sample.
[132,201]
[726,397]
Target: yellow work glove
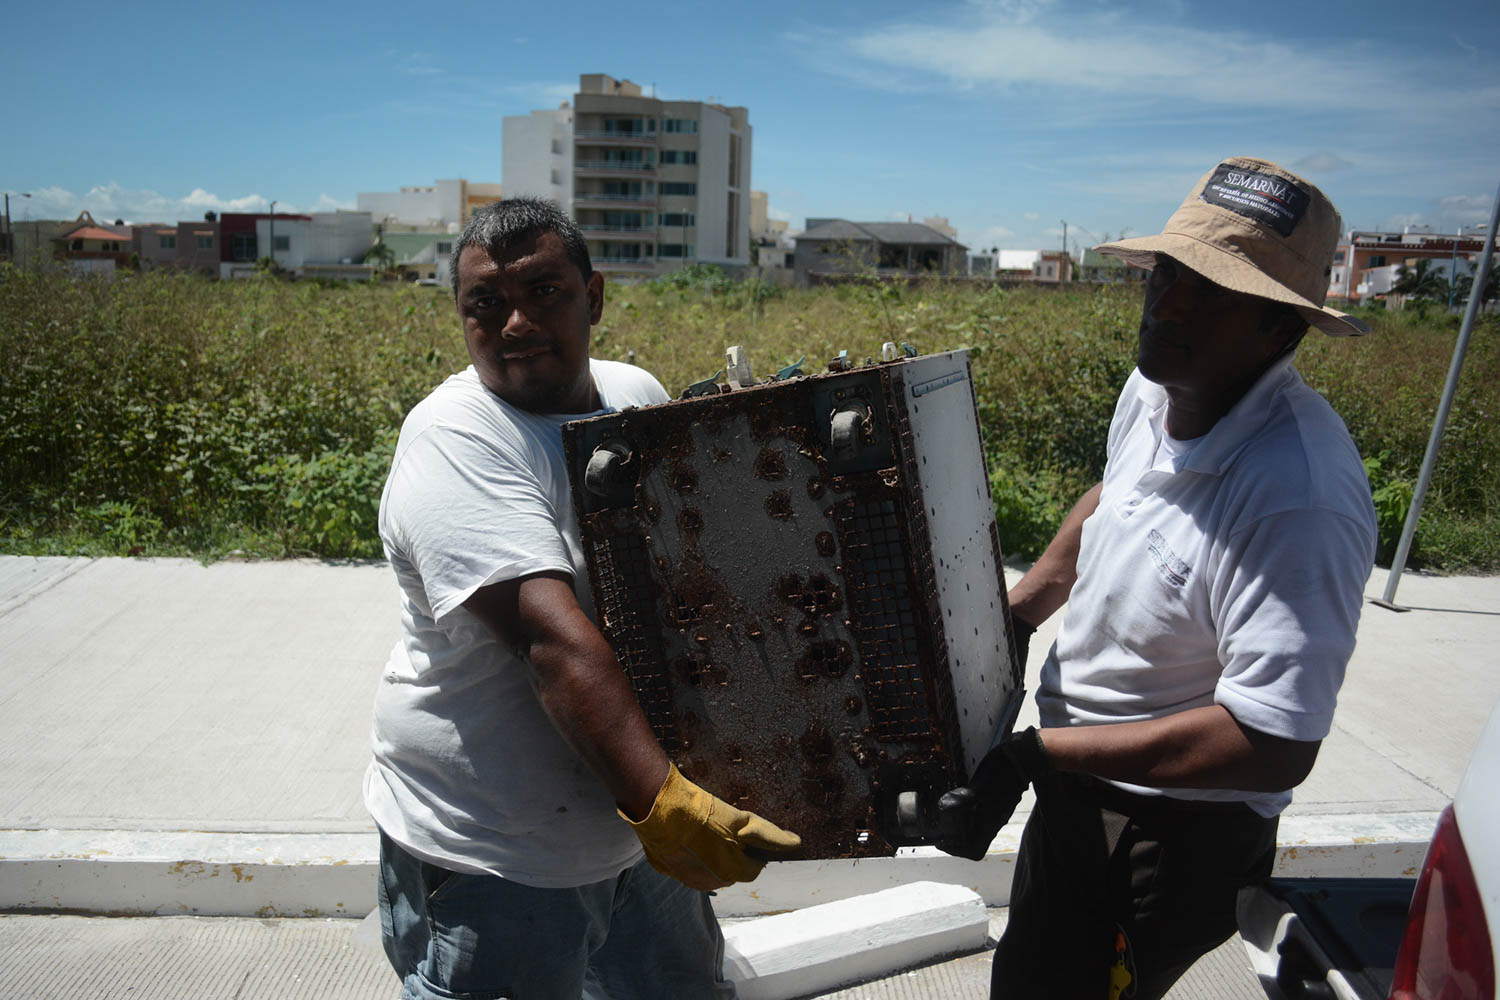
[700,840]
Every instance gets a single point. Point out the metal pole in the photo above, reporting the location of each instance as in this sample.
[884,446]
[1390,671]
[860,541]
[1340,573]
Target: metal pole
[273,235]
[1453,268]
[1476,292]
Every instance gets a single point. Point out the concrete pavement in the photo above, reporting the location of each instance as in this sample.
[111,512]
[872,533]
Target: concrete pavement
[187,739]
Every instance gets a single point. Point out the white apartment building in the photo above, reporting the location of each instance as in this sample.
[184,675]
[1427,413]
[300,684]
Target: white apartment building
[653,184]
[443,206]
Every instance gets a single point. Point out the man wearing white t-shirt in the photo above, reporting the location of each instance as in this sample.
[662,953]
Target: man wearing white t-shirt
[1213,582]
[515,780]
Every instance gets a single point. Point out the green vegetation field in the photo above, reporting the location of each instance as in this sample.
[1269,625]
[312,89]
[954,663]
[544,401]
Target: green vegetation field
[172,415]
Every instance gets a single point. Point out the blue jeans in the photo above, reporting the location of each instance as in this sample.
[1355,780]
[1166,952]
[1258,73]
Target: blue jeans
[454,936]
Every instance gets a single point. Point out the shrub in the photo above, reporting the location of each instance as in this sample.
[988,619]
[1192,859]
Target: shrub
[172,414]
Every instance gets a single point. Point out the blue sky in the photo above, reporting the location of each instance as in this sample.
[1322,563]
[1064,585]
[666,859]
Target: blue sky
[1006,117]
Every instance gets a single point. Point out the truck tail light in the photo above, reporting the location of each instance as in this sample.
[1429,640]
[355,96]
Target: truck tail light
[1445,952]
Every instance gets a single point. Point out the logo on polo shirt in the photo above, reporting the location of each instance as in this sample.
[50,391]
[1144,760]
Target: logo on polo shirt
[1172,569]
[1264,198]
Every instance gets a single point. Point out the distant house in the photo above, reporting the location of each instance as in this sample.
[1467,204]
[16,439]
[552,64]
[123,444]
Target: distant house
[833,247]
[1363,263]
[443,206]
[1016,265]
[1052,266]
[321,244]
[1104,269]
[90,248]
[422,256]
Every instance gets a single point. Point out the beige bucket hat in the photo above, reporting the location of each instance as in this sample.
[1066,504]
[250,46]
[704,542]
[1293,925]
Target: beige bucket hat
[1257,228]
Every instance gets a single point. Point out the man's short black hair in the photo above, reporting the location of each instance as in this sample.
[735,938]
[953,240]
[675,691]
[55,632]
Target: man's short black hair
[500,225]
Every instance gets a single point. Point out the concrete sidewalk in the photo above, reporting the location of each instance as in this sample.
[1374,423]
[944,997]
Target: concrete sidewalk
[187,739]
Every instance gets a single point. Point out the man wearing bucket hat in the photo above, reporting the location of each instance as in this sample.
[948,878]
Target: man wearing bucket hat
[1213,582]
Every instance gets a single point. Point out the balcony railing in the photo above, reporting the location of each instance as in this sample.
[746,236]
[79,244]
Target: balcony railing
[644,200]
[624,263]
[613,166]
[602,230]
[599,135]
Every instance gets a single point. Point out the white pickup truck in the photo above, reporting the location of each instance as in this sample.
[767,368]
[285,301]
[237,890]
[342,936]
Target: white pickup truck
[1436,937]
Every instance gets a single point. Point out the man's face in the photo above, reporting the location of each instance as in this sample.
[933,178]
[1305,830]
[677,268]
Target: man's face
[1202,338]
[526,323]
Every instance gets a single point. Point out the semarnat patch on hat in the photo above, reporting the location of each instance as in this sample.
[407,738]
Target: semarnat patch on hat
[1265,198]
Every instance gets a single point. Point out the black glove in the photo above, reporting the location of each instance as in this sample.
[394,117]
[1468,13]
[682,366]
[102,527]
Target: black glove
[1021,632]
[969,817]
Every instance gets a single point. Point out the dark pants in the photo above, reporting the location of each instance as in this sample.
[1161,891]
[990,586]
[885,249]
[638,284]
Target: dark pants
[1096,861]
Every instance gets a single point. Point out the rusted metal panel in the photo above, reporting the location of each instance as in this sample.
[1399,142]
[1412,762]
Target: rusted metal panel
[764,569]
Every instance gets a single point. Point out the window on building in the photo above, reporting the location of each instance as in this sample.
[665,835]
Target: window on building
[679,219]
[675,250]
[628,189]
[445,248]
[683,125]
[167,242]
[283,243]
[1338,258]
[78,244]
[679,187]
[687,156]
[732,226]
[242,246]
[1376,260]
[205,243]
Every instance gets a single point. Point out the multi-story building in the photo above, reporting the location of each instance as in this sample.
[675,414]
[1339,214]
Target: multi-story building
[653,184]
[1358,262]
[443,206]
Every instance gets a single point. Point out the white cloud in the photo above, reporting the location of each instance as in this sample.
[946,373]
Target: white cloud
[107,202]
[1030,216]
[993,236]
[328,203]
[1477,205]
[777,213]
[1022,45]
[420,64]
[547,95]
[1321,162]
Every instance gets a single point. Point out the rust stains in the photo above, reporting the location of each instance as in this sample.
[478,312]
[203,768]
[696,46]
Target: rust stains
[779,505]
[771,464]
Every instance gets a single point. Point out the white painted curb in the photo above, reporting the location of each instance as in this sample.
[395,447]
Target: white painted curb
[824,946]
[334,874]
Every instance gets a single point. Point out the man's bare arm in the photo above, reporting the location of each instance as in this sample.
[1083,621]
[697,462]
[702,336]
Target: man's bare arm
[579,683]
[1046,586]
[1199,748]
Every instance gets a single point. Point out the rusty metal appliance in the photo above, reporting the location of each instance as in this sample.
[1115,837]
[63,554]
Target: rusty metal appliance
[803,581]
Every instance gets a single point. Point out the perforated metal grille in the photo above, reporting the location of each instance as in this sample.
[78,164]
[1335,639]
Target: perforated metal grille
[884,620]
[627,611]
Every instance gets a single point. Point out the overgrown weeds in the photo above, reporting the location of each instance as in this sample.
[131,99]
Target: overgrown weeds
[168,414]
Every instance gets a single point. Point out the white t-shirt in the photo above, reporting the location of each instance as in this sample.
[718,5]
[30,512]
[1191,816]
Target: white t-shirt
[468,771]
[1225,570]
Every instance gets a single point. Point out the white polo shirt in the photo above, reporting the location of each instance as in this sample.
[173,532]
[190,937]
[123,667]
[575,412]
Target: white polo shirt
[1227,570]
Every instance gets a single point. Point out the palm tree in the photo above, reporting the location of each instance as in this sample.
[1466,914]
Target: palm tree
[1420,282]
[382,256]
[1489,293]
